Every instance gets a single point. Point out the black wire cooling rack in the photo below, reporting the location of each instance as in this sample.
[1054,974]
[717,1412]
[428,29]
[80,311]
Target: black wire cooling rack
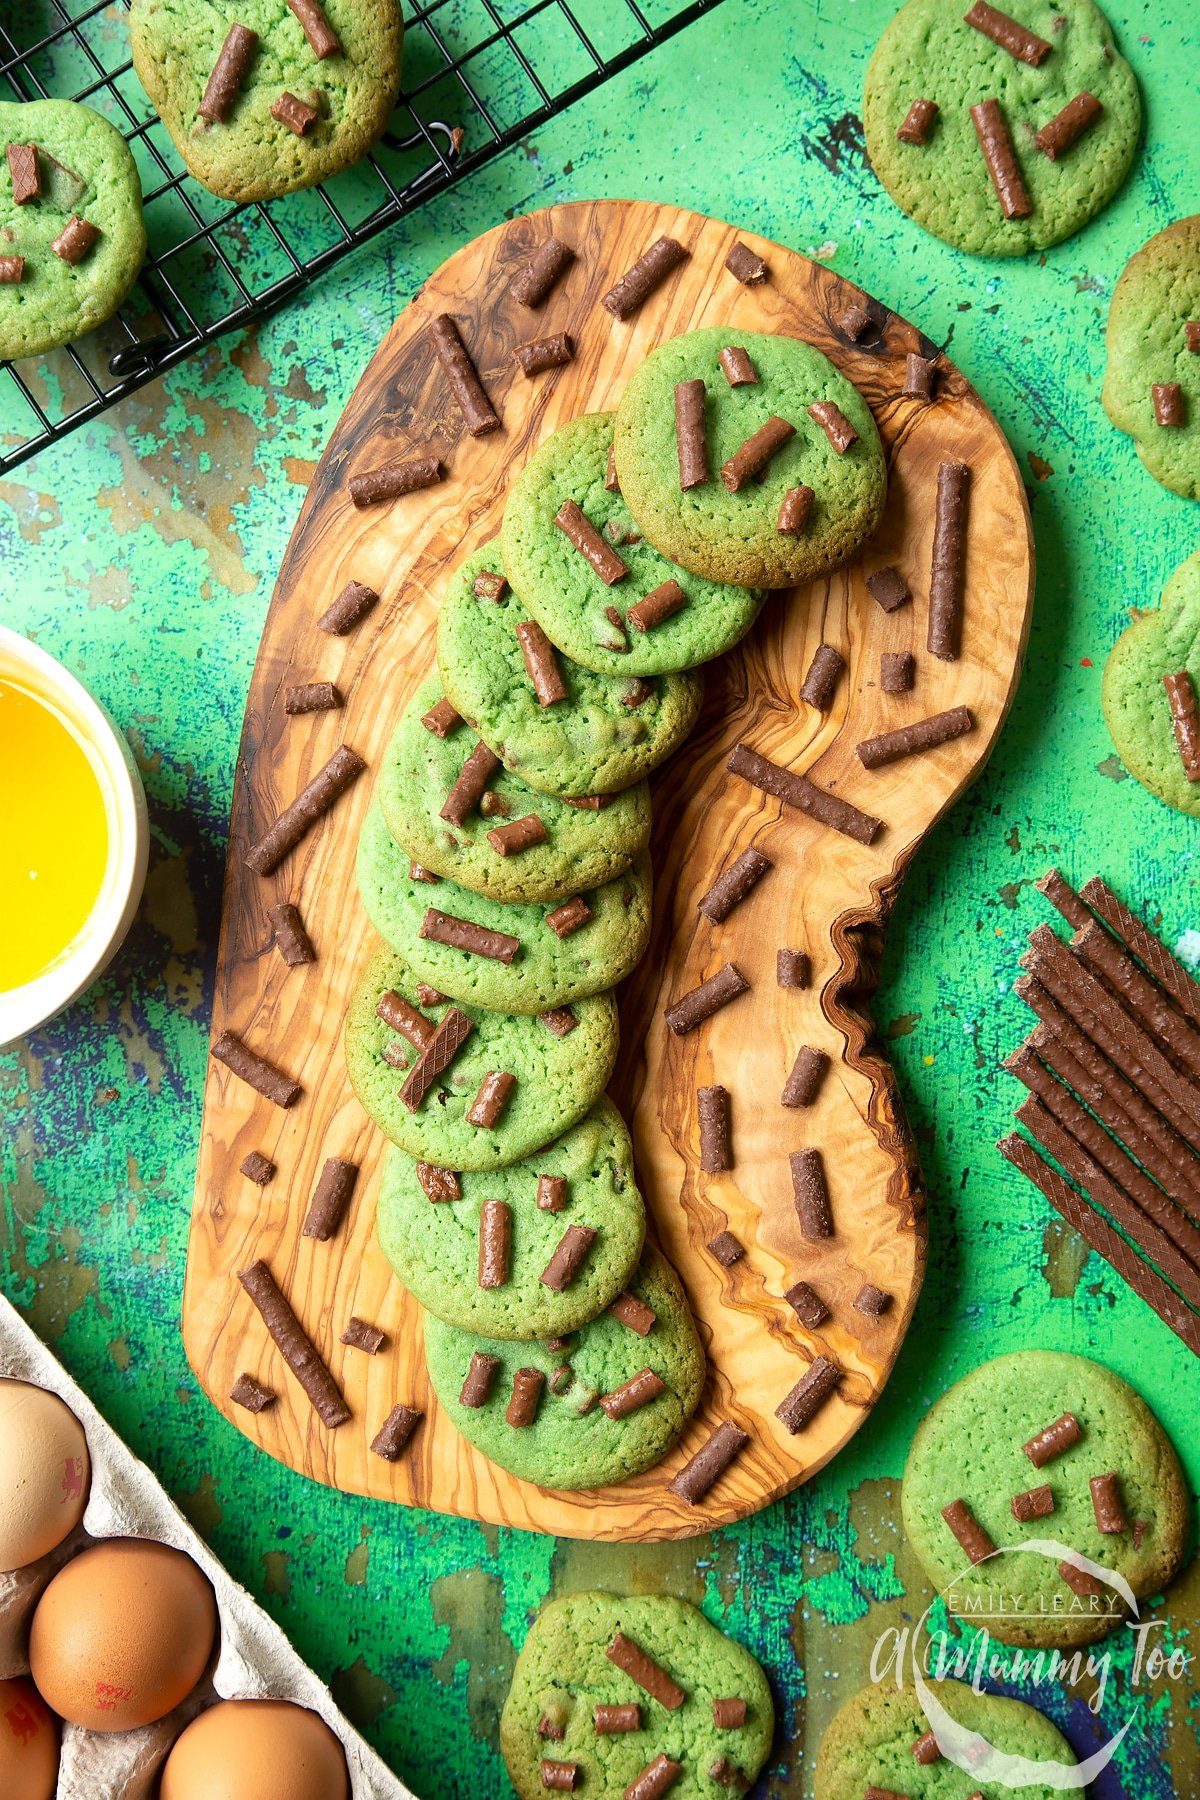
[479,75]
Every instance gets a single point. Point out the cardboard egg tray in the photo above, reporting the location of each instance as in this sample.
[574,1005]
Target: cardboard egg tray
[253,1659]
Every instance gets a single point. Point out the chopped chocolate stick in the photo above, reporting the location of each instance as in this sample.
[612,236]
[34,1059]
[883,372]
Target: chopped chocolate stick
[1191,334]
[732,886]
[728,1775]
[521,834]
[727,1249]
[395,1055]
[25,172]
[855,322]
[311,696]
[464,934]
[441,719]
[293,112]
[809,1395]
[834,423]
[535,278]
[808,1307]
[702,1471]
[793,968]
[1008,33]
[590,545]
[745,266]
[477,1387]
[418,872]
[662,602]
[824,673]
[393,480]
[878,1793]
[495,1092]
[690,434]
[948,561]
[633,1313]
[445,1044]
[716,1150]
[896,670]
[479,415]
[1185,720]
[654,1779]
[756,453]
[700,1003]
[1166,395]
[78,236]
[607,1721]
[551,1193]
[428,996]
[392,1439]
[926,1749]
[489,584]
[297,1349]
[311,803]
[919,372]
[331,1197]
[526,1397]
[229,71]
[255,1070]
[648,272]
[1107,1504]
[1034,1503]
[1076,117]
[794,510]
[871,1300]
[567,918]
[545,353]
[12,270]
[1080,1582]
[908,740]
[918,122]
[1062,1434]
[320,34]
[560,1020]
[251,1394]
[361,1335]
[737,367]
[638,1391]
[570,1254]
[618,641]
[804,795]
[559,1777]
[1064,899]
[294,943]
[1150,951]
[495,1243]
[811,1194]
[729,1715]
[889,588]
[438,1184]
[396,1012]
[467,791]
[257,1168]
[650,1676]
[969,1532]
[348,610]
[804,1083]
[588,802]
[995,140]
[1138,994]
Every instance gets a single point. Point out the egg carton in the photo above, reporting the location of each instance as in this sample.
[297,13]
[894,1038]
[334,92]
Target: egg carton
[253,1660]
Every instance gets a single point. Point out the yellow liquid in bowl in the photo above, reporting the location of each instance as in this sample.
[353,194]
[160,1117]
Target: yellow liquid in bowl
[54,835]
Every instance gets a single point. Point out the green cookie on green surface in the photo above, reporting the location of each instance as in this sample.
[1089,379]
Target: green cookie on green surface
[735,536]
[1153,340]
[434,1246]
[587,618]
[572,1442]
[1134,700]
[971,1449]
[929,52]
[563,1674]
[546,970]
[604,733]
[347,85]
[869,1742]
[585,846]
[560,1071]
[83,196]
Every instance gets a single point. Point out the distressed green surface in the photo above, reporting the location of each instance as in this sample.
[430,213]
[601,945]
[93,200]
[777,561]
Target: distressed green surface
[143,551]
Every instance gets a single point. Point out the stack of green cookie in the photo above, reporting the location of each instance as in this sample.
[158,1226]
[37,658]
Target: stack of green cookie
[503,863]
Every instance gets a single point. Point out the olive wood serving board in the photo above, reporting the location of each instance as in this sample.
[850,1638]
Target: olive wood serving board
[826,894]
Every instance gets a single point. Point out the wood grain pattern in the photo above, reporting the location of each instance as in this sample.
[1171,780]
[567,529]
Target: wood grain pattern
[825,893]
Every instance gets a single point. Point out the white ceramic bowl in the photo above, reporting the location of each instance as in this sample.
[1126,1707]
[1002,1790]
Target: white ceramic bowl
[24,1008]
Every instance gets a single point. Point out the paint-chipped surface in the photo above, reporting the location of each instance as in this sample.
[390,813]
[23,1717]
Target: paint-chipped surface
[142,552]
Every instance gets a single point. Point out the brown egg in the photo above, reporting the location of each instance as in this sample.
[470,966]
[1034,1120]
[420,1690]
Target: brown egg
[28,1744]
[122,1634]
[256,1750]
[44,1473]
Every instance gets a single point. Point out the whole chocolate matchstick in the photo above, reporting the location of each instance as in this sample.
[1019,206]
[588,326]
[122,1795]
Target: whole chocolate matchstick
[311,803]
[948,561]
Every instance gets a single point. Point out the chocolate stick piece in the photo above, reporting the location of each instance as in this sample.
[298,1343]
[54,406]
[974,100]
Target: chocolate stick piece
[1076,117]
[441,719]
[392,1439]
[348,610]
[811,1194]
[393,480]
[793,968]
[1064,899]
[999,153]
[479,415]
[396,1012]
[919,373]
[969,1532]
[654,1779]
[477,1387]
[251,1394]
[545,353]
[756,453]
[703,1470]
[794,510]
[464,934]
[295,113]
[1191,335]
[12,270]
[311,696]
[662,602]
[495,1092]
[1150,951]
[896,671]
[229,71]
[1166,395]
[690,434]
[361,1335]
[809,1395]
[633,1313]
[570,1254]
[855,322]
[607,1721]
[834,423]
[256,1071]
[737,367]
[320,34]
[590,545]
[495,1243]
[295,945]
[650,1676]
[908,740]
[745,266]
[438,1184]
[1107,1505]
[726,1248]
[435,1059]
[712,1107]
[729,1715]
[807,1305]
[558,1777]
[1060,1435]
[1034,1503]
[310,804]
[535,278]
[295,1346]
[331,1197]
[257,1168]
[804,1083]
[518,835]
[78,236]
[918,122]
[700,1003]
[560,1020]
[1185,720]
[526,1397]
[804,795]
[1008,33]
[648,272]
[551,1193]
[948,561]
[889,588]
[469,787]
[824,673]
[489,584]
[632,1394]
[732,887]
[567,919]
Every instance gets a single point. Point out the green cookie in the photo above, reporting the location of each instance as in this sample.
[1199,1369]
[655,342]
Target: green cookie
[970,1448]
[557,1078]
[585,847]
[85,171]
[607,733]
[1157,295]
[434,1245]
[1134,699]
[251,155]
[567,1446]
[545,972]
[735,537]
[580,613]
[563,1674]
[869,1744]
[929,52]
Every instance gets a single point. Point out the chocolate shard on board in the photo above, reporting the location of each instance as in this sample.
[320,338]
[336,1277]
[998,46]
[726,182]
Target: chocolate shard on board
[648,272]
[331,1197]
[804,795]
[793,968]
[255,1070]
[700,1003]
[1060,132]
[360,1334]
[477,1390]
[1185,720]
[228,72]
[535,278]
[733,885]
[25,172]
[445,1044]
[633,1313]
[391,481]
[661,603]
[808,1072]
[971,1536]
[794,510]
[292,941]
[495,1243]
[394,1435]
[716,1149]
[322,38]
[756,453]
[727,1249]
[79,236]
[311,804]
[1167,397]
[919,374]
[1034,1503]
[808,1306]
[744,265]
[637,1392]
[910,740]
[545,353]
[810,1194]
[1061,1435]
[311,696]
[918,122]
[650,1676]
[293,112]
[479,415]
[591,546]
[737,367]
[495,1092]
[463,934]
[702,1471]
[1008,33]
[567,918]
[469,786]
[526,1398]
[294,1344]
[999,153]
[809,1395]
[570,1254]
[948,561]
[896,671]
[824,672]
[889,588]
[257,1168]
[348,610]
[834,423]
[607,1721]
[251,1394]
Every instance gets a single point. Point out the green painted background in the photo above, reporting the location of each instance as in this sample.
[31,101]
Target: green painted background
[142,552]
